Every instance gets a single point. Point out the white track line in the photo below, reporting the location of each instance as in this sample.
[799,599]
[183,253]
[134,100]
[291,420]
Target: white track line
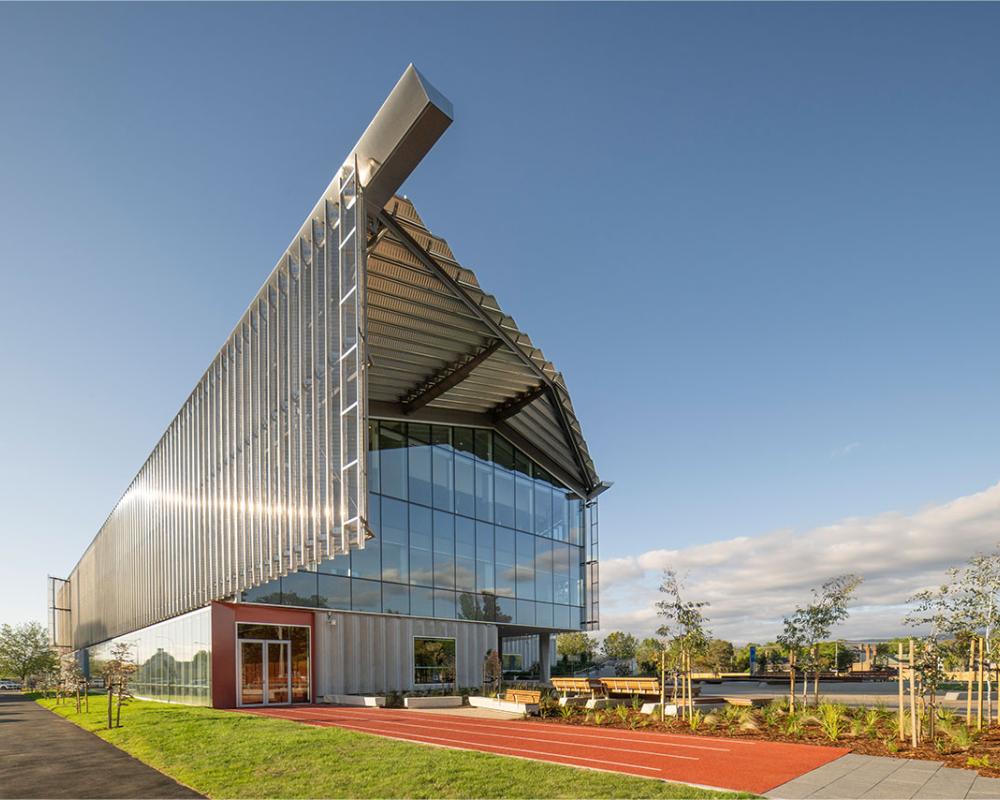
[638,735]
[552,730]
[398,723]
[470,746]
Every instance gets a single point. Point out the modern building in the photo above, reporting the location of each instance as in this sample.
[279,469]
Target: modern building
[378,480]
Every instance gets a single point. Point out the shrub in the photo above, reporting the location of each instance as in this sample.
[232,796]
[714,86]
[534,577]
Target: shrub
[982,762]
[795,723]
[695,720]
[771,714]
[622,712]
[831,719]
[711,720]
[567,711]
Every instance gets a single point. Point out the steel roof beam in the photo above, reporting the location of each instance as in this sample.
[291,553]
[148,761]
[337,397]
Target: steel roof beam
[509,408]
[450,377]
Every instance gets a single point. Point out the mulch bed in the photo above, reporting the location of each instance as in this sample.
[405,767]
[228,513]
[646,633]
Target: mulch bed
[987,744]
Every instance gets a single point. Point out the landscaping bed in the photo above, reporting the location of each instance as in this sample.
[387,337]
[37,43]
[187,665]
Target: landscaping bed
[869,731]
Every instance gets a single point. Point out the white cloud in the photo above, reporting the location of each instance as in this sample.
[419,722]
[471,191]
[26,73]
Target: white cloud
[846,450]
[752,582]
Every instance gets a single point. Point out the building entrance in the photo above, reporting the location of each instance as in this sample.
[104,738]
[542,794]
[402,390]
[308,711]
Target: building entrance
[265,671]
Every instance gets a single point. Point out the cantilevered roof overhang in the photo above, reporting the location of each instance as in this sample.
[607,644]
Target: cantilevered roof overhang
[441,349]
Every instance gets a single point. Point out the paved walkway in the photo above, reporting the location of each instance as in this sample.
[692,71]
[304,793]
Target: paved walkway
[742,765]
[43,755]
[856,777]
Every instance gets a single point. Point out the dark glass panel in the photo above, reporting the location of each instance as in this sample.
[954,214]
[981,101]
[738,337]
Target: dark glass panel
[465,440]
[484,444]
[269,592]
[503,481]
[441,436]
[367,563]
[525,566]
[562,617]
[465,486]
[505,571]
[575,576]
[392,458]
[334,592]
[419,439]
[484,491]
[503,453]
[543,508]
[524,519]
[506,609]
[444,478]
[470,606]
[298,589]
[421,546]
[395,598]
[560,572]
[421,602]
[444,550]
[560,514]
[373,457]
[543,568]
[543,615]
[576,521]
[395,544]
[485,580]
[444,604]
[525,612]
[366,595]
[341,565]
[522,463]
[465,554]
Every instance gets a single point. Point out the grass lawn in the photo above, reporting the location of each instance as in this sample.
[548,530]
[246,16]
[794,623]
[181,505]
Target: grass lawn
[227,755]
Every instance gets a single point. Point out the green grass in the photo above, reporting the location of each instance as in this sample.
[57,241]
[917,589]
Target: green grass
[223,754]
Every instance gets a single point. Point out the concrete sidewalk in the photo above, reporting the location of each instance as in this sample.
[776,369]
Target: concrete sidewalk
[43,755]
[858,777]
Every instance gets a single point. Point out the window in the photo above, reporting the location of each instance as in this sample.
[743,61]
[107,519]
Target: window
[513,662]
[392,462]
[420,463]
[467,526]
[433,661]
[394,541]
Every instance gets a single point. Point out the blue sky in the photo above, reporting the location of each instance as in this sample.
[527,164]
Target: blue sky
[759,240]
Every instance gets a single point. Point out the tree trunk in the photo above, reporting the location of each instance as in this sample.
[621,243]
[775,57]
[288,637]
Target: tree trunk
[118,711]
[111,699]
[791,682]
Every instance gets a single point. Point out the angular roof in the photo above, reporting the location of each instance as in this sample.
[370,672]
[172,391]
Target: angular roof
[440,348]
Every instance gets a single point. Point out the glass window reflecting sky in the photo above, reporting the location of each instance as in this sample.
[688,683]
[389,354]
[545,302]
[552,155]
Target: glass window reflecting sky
[466,527]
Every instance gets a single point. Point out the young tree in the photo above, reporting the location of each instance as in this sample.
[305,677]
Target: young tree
[938,611]
[118,671]
[575,646]
[25,651]
[647,655]
[619,646]
[683,626]
[811,624]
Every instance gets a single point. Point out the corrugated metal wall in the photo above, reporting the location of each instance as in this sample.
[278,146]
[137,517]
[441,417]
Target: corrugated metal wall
[245,485]
[360,653]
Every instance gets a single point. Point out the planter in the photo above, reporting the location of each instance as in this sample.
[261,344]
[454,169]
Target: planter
[369,701]
[447,701]
[503,705]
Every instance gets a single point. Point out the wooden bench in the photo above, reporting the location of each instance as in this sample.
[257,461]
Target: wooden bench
[632,686]
[642,687]
[588,686]
[526,696]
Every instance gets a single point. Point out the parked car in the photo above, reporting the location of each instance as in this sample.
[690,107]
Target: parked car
[9,685]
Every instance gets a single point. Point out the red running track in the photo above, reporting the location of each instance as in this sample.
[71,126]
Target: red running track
[738,764]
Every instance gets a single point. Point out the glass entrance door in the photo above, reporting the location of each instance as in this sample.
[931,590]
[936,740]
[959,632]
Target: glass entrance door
[265,672]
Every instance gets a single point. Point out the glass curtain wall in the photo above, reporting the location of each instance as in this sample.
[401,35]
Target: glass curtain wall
[174,659]
[467,527]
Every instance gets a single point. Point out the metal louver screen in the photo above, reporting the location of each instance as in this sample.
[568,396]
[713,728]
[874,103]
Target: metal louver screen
[262,471]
